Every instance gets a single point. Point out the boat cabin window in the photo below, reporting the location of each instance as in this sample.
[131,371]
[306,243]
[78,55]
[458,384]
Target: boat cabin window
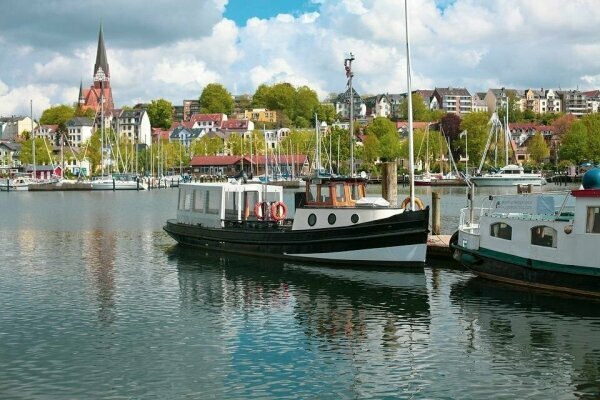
[213,201]
[231,205]
[312,193]
[543,236]
[357,191]
[501,230]
[593,220]
[199,200]
[185,199]
[340,195]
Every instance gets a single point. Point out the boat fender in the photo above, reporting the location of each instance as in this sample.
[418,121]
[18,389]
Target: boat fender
[418,203]
[260,210]
[278,210]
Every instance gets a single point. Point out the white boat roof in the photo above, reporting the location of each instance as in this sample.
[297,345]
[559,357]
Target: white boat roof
[234,187]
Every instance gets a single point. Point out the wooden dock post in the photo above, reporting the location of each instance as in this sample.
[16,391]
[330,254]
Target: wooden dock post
[436,218]
[389,182]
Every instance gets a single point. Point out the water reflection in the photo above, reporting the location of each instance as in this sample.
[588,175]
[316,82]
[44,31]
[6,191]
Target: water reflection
[556,335]
[98,253]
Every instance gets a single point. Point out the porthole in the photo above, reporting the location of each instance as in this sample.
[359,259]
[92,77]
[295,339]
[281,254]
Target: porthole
[312,219]
[354,218]
[331,219]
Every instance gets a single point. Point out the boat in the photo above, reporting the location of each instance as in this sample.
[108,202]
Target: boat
[118,182]
[545,240]
[509,174]
[334,221]
[19,183]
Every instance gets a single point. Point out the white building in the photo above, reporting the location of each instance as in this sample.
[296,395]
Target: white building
[134,125]
[79,130]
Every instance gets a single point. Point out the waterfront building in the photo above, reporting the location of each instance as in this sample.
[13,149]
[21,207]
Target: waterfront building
[46,131]
[260,115]
[208,122]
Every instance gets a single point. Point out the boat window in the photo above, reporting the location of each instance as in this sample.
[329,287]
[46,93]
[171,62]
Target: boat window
[231,211]
[250,200]
[356,191]
[501,230]
[185,199]
[543,236]
[593,220]
[312,193]
[325,195]
[340,196]
[213,201]
[199,200]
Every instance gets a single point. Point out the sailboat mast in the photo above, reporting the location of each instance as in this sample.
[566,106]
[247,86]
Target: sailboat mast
[349,75]
[32,138]
[506,133]
[411,161]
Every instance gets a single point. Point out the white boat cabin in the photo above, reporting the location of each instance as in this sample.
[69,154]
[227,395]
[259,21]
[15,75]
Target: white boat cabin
[210,204]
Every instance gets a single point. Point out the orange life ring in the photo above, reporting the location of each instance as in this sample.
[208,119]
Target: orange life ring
[260,209]
[418,203]
[278,210]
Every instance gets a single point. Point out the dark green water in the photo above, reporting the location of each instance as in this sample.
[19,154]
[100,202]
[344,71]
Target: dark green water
[97,302]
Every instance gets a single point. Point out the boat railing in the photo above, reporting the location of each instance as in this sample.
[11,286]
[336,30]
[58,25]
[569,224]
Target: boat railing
[469,219]
[257,224]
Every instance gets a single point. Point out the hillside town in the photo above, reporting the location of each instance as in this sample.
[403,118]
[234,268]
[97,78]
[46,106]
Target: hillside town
[206,141]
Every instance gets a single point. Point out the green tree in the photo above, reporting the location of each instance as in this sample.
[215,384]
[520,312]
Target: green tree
[538,149]
[574,144]
[380,127]
[41,153]
[57,114]
[420,111]
[371,148]
[514,108]
[306,104]
[84,112]
[326,112]
[206,146]
[216,99]
[477,127]
[160,112]
[260,97]
[592,125]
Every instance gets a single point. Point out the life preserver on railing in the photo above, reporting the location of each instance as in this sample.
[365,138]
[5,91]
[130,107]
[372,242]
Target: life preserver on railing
[260,209]
[418,203]
[278,210]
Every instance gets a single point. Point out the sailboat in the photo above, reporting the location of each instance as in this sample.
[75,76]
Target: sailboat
[334,221]
[112,181]
[509,174]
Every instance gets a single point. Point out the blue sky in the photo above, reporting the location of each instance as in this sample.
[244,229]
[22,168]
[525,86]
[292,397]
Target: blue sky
[158,50]
[242,10]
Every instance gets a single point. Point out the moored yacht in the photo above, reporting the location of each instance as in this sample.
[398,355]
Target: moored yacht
[509,175]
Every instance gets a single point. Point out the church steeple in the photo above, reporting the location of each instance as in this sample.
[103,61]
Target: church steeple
[101,63]
[81,100]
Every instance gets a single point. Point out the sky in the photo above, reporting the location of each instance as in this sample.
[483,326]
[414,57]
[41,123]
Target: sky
[172,50]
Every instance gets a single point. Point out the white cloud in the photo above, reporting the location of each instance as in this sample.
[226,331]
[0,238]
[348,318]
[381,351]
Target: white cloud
[473,43]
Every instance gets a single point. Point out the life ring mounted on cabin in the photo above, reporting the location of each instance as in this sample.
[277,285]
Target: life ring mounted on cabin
[260,210]
[278,210]
[418,203]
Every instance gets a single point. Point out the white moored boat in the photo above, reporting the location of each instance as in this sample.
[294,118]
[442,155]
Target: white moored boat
[546,240]
[510,175]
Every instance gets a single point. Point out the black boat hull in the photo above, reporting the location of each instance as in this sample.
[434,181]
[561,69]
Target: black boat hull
[397,240]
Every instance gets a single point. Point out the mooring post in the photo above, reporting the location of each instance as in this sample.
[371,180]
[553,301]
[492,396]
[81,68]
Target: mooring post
[389,183]
[436,219]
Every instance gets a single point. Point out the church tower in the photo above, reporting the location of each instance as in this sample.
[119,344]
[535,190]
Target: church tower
[101,90]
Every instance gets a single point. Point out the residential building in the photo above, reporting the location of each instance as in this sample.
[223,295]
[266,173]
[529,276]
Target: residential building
[479,104]
[378,106]
[593,100]
[342,105]
[453,100]
[209,122]
[9,157]
[133,125]
[79,130]
[242,127]
[14,127]
[186,135]
[178,113]
[552,103]
[260,115]
[395,100]
[496,99]
[573,102]
[190,107]
[46,131]
[426,94]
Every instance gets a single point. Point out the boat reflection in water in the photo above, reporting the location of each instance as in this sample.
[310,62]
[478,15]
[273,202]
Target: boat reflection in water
[555,335]
[283,320]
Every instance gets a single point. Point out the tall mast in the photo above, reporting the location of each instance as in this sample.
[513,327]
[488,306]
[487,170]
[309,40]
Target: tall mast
[411,161]
[32,138]
[349,75]
[506,133]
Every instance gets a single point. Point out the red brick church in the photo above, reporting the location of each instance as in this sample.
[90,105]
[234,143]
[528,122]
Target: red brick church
[91,98]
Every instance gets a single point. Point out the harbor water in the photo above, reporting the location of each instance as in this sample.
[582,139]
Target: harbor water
[96,301]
